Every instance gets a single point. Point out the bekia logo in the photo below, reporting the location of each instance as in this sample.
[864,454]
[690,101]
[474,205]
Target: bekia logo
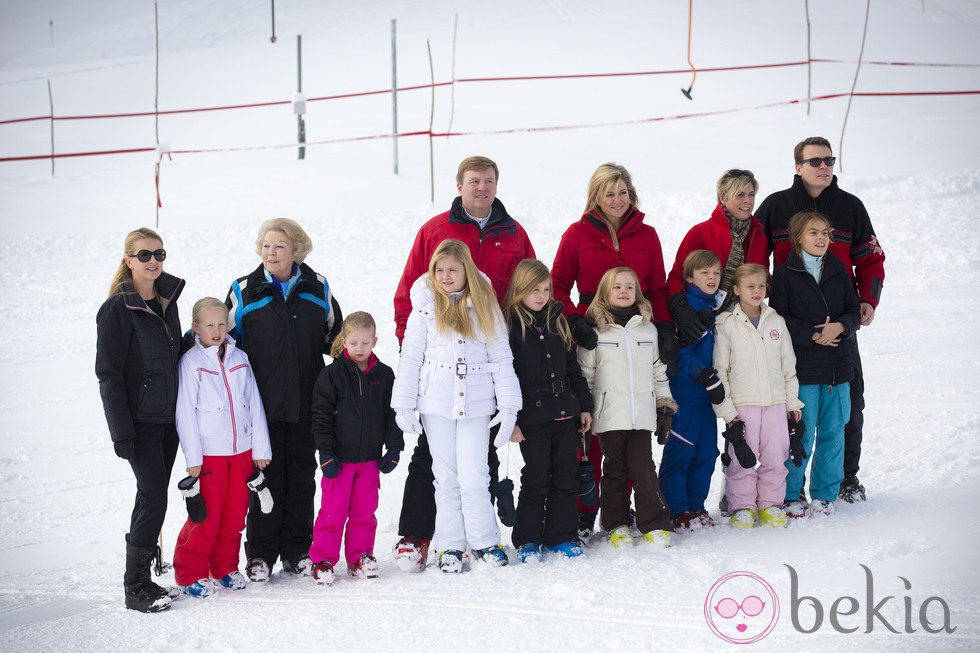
[741,608]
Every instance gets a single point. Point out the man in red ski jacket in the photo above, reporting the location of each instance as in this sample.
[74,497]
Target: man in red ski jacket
[854,243]
[498,243]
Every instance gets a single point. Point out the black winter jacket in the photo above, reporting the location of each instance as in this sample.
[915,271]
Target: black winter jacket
[552,385]
[352,415]
[285,339]
[803,304]
[136,356]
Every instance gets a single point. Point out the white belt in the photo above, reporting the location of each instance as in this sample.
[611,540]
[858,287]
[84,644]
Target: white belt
[462,369]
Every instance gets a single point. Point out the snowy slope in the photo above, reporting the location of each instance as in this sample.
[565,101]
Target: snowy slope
[912,159]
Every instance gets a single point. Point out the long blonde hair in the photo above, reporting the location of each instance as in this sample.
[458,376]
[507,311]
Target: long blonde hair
[123,274]
[599,308]
[453,315]
[529,274]
[604,175]
[354,321]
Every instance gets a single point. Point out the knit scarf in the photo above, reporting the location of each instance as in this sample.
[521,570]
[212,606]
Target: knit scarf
[736,257]
[623,315]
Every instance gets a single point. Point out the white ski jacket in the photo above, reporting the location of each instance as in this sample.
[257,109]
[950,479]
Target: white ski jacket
[756,365]
[447,375]
[219,411]
[627,378]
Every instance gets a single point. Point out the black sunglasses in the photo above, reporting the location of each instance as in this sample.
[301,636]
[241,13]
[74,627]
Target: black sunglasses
[144,255]
[816,161]
[734,173]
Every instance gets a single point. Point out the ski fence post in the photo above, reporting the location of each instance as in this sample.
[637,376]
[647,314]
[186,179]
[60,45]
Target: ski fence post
[394,96]
[51,110]
[299,102]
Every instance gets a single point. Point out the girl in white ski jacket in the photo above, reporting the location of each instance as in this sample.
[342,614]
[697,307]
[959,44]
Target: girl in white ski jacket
[755,361]
[456,369]
[632,398]
[224,436]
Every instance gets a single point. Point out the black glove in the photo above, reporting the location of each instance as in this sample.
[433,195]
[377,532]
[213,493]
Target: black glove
[667,343]
[191,489]
[388,461]
[691,324]
[735,435]
[503,491]
[329,464]
[664,420]
[583,332]
[796,453]
[125,448]
[708,377]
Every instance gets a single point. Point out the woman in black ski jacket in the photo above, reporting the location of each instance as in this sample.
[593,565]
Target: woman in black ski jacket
[136,363]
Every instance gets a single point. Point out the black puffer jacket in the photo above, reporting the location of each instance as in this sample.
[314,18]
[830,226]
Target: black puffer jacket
[352,415]
[136,358]
[803,304]
[552,384]
[285,339]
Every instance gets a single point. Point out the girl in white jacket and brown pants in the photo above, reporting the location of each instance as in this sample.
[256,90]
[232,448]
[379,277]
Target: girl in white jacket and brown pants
[632,399]
[755,361]
[456,369]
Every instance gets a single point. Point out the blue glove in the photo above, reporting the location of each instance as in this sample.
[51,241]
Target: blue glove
[388,461]
[329,464]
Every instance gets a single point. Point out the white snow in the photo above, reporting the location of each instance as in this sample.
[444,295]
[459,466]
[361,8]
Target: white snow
[66,499]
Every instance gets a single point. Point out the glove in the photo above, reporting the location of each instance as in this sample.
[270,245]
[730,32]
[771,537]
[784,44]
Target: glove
[796,453]
[691,324]
[667,343]
[503,491]
[507,421]
[256,483]
[664,419]
[708,377]
[124,449]
[408,422]
[583,332]
[329,464]
[388,461]
[735,435]
[191,489]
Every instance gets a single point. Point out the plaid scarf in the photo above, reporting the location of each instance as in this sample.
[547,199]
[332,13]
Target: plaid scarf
[740,229]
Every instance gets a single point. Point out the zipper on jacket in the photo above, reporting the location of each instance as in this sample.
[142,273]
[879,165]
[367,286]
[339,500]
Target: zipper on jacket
[629,372]
[231,406]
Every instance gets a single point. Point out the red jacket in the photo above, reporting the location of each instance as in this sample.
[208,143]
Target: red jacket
[496,251]
[586,252]
[715,235]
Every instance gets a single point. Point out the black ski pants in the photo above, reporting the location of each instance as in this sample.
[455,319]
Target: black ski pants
[629,455]
[154,451]
[854,429]
[546,509]
[287,531]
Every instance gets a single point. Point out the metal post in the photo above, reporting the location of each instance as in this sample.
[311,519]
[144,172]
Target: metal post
[273,37]
[51,108]
[394,95]
[299,103]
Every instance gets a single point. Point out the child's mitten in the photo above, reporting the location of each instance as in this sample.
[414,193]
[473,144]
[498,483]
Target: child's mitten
[389,461]
[587,493]
[256,483]
[191,489]
[664,420]
[691,324]
[796,453]
[667,346]
[708,377]
[503,491]
[735,435]
[125,448]
[583,332]
[507,421]
[408,422]
[329,464]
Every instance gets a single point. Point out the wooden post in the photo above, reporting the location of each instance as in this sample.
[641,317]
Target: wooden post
[51,110]
[299,105]
[394,96]
[432,113]
[452,89]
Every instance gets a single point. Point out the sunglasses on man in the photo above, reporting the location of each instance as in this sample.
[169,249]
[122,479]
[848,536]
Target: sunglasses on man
[816,161]
[144,255]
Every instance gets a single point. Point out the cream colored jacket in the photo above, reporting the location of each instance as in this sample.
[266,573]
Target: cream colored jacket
[756,365]
[626,376]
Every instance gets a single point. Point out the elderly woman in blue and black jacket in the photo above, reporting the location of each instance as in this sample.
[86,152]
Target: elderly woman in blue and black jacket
[815,295]
[285,318]
[136,362]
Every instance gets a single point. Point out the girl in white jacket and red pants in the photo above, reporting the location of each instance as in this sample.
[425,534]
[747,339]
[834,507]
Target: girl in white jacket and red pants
[456,369]
[755,361]
[224,436]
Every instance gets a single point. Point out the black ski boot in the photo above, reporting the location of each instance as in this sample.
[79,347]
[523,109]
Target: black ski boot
[142,594]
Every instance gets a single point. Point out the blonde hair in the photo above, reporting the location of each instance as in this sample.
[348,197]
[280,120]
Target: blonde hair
[123,274]
[604,175]
[797,225]
[529,274]
[453,315]
[599,308]
[354,321]
[203,304]
[734,181]
[747,270]
[302,244]
[476,163]
[700,259]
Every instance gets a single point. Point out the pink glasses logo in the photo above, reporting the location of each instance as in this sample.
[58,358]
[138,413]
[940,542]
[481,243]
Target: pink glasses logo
[736,613]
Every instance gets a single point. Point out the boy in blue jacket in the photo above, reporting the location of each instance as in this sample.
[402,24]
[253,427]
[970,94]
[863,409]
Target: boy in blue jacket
[692,446]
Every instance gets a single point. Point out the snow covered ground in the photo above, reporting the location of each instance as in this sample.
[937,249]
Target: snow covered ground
[912,159]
